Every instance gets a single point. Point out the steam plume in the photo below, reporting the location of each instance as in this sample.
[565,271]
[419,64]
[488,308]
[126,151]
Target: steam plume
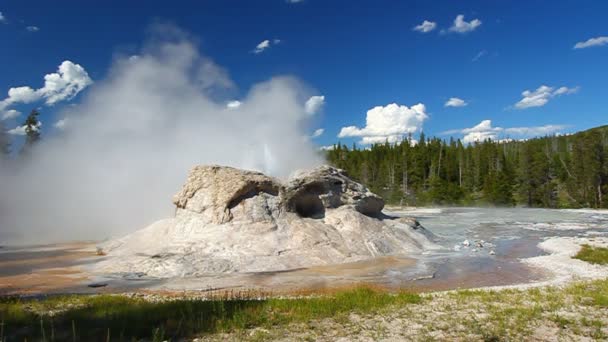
[128,146]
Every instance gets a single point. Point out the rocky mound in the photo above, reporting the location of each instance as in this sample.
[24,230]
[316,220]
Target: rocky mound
[231,220]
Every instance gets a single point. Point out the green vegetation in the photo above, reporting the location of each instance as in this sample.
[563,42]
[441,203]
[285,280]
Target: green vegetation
[555,172]
[573,312]
[594,255]
[91,317]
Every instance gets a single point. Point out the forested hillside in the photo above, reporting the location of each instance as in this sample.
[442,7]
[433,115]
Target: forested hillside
[556,171]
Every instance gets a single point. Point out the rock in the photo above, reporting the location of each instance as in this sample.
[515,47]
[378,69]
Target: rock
[212,191]
[466,243]
[492,252]
[231,220]
[457,248]
[310,192]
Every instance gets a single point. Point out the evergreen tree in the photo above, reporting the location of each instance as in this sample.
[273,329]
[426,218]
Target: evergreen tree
[32,129]
[558,171]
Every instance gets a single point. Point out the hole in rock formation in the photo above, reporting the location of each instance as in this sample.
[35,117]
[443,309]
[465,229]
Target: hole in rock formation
[309,205]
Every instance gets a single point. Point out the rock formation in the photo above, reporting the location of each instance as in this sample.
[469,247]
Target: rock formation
[231,220]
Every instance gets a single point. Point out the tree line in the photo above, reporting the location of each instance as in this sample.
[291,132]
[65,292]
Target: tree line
[569,171]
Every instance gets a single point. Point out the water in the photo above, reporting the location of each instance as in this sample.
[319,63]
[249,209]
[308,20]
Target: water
[505,235]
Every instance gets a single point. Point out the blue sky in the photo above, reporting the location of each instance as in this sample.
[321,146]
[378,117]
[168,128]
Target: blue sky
[357,54]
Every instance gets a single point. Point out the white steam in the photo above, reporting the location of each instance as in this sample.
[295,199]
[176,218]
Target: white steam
[129,145]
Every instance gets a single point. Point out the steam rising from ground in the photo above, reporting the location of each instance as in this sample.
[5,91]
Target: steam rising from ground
[128,147]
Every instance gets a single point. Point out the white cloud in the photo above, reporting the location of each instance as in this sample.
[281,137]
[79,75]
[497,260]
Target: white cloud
[327,147]
[33,28]
[294,1]
[542,95]
[597,41]
[481,132]
[2,18]
[20,130]
[461,26]
[233,104]
[455,102]
[390,123]
[10,114]
[317,133]
[484,131]
[314,104]
[265,44]
[69,80]
[60,124]
[535,131]
[425,27]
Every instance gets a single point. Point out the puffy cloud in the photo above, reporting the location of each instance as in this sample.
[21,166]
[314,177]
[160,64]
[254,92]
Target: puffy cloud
[461,26]
[425,27]
[390,123]
[22,95]
[455,102]
[314,104]
[9,114]
[233,104]
[481,132]
[69,80]
[484,131]
[33,28]
[542,95]
[597,41]
[327,147]
[317,133]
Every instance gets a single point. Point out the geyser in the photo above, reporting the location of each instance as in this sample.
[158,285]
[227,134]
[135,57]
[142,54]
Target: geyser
[126,147]
[231,220]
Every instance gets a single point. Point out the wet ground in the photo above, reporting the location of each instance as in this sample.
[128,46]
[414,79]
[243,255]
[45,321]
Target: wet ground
[480,247]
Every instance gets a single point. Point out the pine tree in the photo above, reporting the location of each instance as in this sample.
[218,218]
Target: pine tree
[558,171]
[32,130]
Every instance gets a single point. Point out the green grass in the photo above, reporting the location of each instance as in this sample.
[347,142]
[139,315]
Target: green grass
[594,255]
[122,318]
[490,315]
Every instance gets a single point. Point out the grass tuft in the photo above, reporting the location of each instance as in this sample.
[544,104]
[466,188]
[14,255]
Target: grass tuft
[593,255]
